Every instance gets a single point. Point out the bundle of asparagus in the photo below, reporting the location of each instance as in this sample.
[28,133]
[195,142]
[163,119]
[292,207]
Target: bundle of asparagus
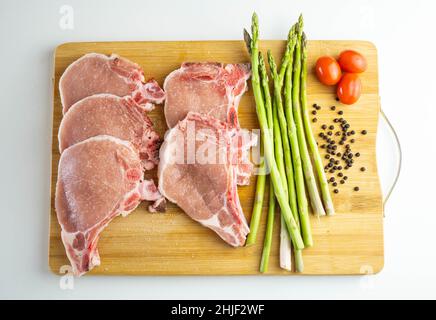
[286,139]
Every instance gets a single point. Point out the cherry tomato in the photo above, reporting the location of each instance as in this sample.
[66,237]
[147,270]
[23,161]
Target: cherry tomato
[328,70]
[349,88]
[352,61]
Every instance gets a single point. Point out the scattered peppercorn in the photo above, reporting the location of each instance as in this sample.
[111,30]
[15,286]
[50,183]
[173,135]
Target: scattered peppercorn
[314,112]
[314,119]
[363,169]
[364,132]
[340,112]
[357,154]
[324,127]
[356,188]
[336,191]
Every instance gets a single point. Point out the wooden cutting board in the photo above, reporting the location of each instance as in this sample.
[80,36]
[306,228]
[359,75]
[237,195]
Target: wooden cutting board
[351,242]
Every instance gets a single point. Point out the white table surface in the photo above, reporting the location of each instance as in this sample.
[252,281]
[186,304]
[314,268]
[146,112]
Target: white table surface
[403,33]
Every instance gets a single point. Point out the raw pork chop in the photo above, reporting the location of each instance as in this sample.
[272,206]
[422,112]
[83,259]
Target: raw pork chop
[98,179]
[207,88]
[96,73]
[198,172]
[107,114]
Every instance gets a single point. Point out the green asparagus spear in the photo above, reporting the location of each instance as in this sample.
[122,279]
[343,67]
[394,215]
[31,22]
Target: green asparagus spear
[272,201]
[258,202]
[282,125]
[278,84]
[322,179]
[269,230]
[285,247]
[291,224]
[260,183]
[309,176]
[303,208]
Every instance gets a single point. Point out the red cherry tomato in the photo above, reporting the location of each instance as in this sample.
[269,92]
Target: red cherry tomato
[349,88]
[352,61]
[328,70]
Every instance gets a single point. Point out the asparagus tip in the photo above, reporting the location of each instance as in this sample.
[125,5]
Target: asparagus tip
[272,63]
[255,26]
[304,40]
[248,40]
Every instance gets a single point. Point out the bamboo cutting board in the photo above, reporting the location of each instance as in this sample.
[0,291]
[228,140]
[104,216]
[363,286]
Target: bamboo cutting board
[351,242]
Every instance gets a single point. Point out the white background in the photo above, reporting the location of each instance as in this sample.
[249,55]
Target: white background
[403,31]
